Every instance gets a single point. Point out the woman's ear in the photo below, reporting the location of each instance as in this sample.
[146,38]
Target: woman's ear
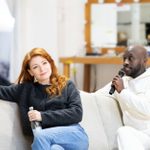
[30,72]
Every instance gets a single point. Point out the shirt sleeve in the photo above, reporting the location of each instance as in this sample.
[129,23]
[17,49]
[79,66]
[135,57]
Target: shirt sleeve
[9,93]
[71,114]
[138,102]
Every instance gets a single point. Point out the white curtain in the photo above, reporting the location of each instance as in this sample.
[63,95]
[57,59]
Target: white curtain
[6,29]
[11,5]
[13,48]
[17,9]
[7,21]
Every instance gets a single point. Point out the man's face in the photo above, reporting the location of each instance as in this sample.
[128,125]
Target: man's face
[133,63]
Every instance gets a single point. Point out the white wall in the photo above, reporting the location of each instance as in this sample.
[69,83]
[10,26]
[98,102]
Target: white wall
[36,26]
[71,35]
[41,24]
[71,28]
[58,26]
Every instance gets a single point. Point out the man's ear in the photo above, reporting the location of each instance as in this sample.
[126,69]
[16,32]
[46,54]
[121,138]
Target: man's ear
[145,60]
[30,72]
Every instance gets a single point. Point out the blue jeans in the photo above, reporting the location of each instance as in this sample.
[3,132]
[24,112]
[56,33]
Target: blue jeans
[71,137]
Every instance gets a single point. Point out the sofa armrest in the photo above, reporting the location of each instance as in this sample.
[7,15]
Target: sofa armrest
[11,136]
[92,122]
[111,116]
[101,119]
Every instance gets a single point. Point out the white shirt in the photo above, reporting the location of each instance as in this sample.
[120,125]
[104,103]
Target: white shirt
[134,100]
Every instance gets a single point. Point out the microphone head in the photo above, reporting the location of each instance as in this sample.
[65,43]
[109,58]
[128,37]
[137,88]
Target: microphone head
[121,73]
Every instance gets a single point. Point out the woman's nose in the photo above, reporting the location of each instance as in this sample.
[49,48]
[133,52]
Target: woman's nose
[41,68]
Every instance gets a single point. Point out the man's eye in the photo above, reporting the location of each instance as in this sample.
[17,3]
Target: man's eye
[124,58]
[130,58]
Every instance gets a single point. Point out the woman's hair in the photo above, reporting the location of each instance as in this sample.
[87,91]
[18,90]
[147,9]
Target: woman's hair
[57,82]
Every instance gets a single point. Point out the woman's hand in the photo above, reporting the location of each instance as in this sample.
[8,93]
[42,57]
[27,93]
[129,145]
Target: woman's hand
[34,115]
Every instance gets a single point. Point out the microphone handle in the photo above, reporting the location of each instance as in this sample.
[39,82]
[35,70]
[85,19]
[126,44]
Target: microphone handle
[112,90]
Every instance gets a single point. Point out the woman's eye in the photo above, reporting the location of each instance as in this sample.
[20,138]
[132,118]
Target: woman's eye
[34,67]
[44,62]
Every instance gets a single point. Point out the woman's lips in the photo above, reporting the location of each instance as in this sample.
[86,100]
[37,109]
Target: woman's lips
[42,74]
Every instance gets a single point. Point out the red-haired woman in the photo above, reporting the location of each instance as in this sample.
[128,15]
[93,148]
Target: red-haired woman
[56,102]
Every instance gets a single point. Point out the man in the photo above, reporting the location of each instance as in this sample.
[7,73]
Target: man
[133,94]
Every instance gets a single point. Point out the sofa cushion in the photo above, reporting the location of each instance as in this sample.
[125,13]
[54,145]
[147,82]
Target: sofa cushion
[92,122]
[11,134]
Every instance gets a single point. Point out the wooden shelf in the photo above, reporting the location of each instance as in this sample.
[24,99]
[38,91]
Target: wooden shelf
[87,61]
[91,60]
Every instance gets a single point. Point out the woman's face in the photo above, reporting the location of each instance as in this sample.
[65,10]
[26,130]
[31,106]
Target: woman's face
[40,68]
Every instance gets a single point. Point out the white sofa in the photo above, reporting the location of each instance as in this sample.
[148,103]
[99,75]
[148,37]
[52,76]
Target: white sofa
[101,119]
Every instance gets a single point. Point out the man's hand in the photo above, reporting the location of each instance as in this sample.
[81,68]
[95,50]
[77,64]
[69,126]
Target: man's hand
[118,83]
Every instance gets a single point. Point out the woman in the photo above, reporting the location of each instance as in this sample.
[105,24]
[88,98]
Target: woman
[56,102]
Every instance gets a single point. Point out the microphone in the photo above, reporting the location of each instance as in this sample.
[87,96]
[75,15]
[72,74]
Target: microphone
[121,73]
